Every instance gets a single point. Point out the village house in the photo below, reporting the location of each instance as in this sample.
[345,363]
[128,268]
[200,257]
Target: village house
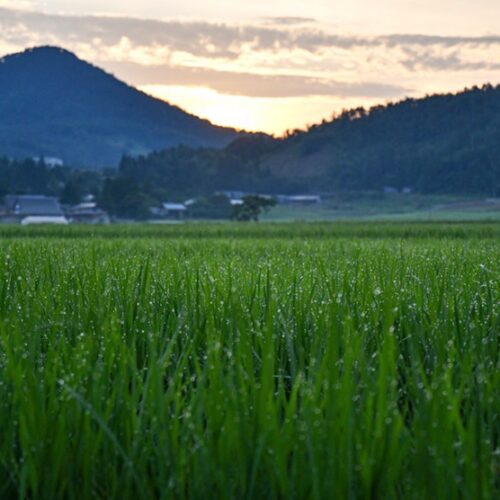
[299,199]
[87,212]
[232,195]
[33,209]
[170,211]
[174,210]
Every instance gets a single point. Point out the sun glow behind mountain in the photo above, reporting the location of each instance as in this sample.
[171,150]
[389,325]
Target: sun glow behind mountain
[274,116]
[270,66]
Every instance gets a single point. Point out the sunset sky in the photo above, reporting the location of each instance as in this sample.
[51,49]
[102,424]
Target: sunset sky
[270,65]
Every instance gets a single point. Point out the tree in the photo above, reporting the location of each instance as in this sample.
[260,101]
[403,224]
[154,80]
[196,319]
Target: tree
[252,207]
[122,197]
[71,193]
[212,207]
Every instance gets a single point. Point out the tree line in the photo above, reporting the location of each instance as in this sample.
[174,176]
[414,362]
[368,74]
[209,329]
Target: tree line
[442,144]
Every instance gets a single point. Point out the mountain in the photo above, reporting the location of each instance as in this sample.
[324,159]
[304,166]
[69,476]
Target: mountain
[53,104]
[437,144]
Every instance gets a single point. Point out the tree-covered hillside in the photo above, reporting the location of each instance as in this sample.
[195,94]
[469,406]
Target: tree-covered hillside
[440,144]
[36,177]
[53,104]
[444,144]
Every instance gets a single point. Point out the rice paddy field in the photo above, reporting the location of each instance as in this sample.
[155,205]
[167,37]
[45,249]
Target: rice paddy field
[348,360]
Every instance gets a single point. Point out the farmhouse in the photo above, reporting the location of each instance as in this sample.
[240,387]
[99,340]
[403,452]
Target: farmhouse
[88,212]
[299,199]
[171,211]
[174,210]
[33,209]
[232,195]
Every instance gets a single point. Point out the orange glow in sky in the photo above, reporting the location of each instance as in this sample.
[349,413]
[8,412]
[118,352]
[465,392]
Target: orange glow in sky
[270,65]
[273,116]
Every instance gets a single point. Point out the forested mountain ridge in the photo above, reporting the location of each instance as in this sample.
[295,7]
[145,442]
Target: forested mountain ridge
[441,143]
[438,144]
[55,105]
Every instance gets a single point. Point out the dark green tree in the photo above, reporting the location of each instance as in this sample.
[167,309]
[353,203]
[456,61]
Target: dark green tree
[121,197]
[212,207]
[252,207]
[72,193]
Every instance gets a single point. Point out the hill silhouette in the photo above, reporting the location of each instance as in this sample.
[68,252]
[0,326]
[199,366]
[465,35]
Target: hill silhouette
[438,144]
[54,104]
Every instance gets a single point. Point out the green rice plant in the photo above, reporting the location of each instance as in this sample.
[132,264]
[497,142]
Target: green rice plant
[252,362]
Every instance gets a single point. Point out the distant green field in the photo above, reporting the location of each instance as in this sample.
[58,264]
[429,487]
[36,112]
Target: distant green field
[377,206]
[327,360]
[268,230]
[381,212]
[305,214]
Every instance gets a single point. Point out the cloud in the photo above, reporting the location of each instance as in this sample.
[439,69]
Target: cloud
[445,41]
[211,39]
[288,21]
[251,84]
[451,61]
[17,4]
[273,57]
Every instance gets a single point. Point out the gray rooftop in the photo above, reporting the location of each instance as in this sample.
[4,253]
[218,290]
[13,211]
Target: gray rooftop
[174,207]
[26,205]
